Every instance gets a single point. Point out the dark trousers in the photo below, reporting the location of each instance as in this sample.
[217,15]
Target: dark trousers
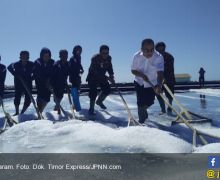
[201,81]
[169,97]
[145,98]
[93,91]
[59,91]
[18,94]
[1,90]
[43,92]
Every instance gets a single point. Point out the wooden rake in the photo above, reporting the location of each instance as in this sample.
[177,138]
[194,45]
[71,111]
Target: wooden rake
[195,132]
[131,120]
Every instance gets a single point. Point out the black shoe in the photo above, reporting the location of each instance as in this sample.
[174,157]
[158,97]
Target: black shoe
[141,122]
[101,105]
[55,108]
[91,112]
[58,111]
[24,109]
[161,113]
[169,110]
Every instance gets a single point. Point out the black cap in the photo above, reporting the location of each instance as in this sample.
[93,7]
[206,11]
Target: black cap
[103,47]
[160,44]
[76,48]
[63,52]
[22,53]
[45,51]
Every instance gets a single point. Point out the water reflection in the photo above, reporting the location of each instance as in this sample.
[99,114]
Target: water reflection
[203,104]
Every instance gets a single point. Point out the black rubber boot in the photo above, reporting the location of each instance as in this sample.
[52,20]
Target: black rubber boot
[169,110]
[142,114]
[57,108]
[100,100]
[41,106]
[24,109]
[16,111]
[162,105]
[91,108]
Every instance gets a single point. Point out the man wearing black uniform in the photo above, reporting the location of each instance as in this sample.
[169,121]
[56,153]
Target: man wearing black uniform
[22,69]
[43,68]
[201,77]
[2,79]
[100,64]
[76,70]
[169,77]
[59,78]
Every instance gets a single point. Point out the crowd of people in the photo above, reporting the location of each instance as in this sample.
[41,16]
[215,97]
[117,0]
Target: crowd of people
[51,77]
[151,67]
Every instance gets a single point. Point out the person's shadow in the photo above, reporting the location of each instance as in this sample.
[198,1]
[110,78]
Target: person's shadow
[203,103]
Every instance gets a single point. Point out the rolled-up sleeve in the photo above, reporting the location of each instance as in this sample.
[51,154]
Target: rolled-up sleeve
[134,65]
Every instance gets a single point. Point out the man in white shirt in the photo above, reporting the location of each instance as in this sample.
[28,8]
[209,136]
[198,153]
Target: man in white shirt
[147,66]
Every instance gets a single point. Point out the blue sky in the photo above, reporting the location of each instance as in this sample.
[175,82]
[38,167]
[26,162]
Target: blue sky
[190,28]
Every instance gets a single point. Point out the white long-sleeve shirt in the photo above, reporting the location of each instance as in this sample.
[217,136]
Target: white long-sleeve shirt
[148,66]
